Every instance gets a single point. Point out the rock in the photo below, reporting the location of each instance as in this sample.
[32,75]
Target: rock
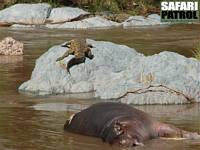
[64,14]
[24,26]
[93,22]
[153,19]
[10,46]
[25,14]
[119,72]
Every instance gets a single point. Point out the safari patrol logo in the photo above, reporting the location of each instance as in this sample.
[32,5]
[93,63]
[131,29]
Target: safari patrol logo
[180,11]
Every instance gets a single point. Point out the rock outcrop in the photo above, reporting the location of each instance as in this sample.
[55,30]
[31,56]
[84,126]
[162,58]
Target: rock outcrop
[119,72]
[10,46]
[150,20]
[27,14]
[42,15]
[88,23]
[65,14]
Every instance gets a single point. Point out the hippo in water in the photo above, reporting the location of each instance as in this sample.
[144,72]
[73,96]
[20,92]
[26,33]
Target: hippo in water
[118,123]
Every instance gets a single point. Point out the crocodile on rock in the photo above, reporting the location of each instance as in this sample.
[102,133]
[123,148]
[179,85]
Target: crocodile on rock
[80,49]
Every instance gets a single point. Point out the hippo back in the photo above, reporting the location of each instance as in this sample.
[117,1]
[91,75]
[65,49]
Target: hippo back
[93,120]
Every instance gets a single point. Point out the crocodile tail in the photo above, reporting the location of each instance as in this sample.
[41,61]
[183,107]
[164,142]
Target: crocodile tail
[75,61]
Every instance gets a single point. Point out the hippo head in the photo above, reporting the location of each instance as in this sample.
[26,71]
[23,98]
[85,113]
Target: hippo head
[132,133]
[126,132]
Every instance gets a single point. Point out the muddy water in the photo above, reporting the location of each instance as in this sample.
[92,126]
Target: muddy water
[36,123]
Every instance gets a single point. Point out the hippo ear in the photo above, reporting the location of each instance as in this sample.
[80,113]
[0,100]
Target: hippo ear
[122,124]
[68,122]
[111,132]
[119,127]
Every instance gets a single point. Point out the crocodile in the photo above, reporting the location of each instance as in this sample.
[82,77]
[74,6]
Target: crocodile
[80,49]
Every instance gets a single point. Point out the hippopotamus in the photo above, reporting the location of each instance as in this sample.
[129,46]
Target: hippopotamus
[117,123]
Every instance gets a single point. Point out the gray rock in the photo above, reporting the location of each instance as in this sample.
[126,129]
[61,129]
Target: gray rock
[64,14]
[10,46]
[119,72]
[93,22]
[25,14]
[151,20]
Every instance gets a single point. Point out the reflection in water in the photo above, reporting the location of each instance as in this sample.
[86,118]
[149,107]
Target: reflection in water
[10,59]
[59,107]
[36,123]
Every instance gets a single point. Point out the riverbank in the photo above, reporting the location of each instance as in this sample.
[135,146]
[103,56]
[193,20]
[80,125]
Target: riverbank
[132,7]
[43,15]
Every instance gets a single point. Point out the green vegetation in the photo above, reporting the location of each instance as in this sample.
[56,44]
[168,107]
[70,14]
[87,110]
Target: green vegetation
[133,7]
[196,52]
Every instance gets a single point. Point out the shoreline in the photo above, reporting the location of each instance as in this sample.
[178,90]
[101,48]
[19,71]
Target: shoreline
[42,14]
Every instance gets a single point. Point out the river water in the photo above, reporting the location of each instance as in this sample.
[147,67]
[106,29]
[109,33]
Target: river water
[30,122]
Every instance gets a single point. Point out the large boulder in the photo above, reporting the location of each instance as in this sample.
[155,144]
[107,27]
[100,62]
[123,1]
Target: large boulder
[93,22]
[153,19]
[25,14]
[64,14]
[9,46]
[119,72]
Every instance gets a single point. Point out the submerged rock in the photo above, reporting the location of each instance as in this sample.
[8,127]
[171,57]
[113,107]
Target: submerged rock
[93,22]
[64,14]
[24,26]
[153,19]
[25,14]
[10,46]
[119,72]
[59,107]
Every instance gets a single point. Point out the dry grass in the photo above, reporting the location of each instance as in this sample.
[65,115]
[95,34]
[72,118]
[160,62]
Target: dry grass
[196,52]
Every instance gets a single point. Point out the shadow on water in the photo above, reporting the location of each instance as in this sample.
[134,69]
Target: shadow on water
[36,123]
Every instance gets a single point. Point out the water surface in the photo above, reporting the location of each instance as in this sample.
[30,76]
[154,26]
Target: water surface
[36,123]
